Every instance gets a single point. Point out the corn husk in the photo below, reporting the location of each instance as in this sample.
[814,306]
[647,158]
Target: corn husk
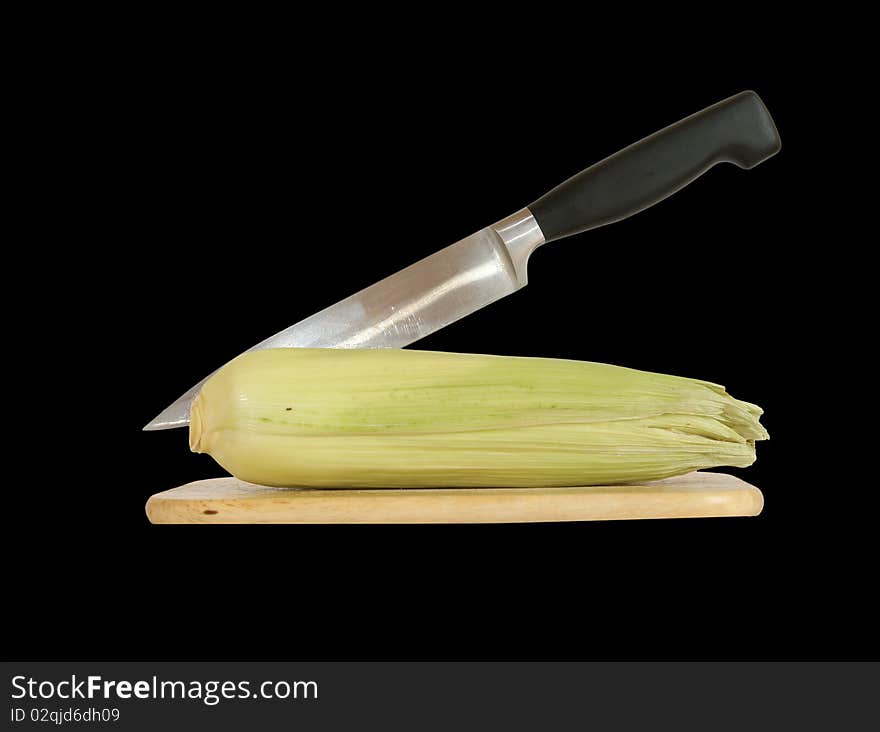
[386,418]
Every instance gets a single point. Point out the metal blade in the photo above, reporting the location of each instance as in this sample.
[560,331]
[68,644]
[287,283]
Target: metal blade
[411,304]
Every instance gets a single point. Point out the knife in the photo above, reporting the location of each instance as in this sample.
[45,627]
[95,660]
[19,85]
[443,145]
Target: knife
[491,263]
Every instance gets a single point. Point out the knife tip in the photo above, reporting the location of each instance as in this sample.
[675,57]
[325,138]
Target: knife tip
[165,421]
[174,415]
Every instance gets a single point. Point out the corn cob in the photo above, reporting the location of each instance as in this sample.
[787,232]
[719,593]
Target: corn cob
[335,418]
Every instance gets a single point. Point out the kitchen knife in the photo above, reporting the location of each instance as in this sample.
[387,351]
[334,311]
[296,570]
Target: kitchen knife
[490,264]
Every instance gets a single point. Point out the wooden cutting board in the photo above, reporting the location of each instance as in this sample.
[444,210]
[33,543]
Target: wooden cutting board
[231,501]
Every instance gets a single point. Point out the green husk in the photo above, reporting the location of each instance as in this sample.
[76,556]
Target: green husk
[401,418]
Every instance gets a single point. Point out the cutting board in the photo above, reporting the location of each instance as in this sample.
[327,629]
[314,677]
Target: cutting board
[231,501]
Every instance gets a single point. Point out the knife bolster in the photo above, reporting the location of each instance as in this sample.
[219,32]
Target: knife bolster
[520,235]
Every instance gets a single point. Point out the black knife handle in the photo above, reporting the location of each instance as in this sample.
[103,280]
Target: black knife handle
[737,130]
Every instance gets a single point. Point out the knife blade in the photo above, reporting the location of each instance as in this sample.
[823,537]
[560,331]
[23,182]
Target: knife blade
[492,263]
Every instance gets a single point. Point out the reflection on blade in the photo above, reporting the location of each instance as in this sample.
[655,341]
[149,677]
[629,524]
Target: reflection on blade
[412,317]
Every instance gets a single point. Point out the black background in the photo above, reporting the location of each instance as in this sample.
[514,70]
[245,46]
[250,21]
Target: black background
[204,199]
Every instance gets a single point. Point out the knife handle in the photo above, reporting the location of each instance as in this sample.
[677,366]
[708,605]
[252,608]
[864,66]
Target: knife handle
[737,130]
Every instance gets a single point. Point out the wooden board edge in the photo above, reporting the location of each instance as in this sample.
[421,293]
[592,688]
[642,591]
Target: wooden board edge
[380,507]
